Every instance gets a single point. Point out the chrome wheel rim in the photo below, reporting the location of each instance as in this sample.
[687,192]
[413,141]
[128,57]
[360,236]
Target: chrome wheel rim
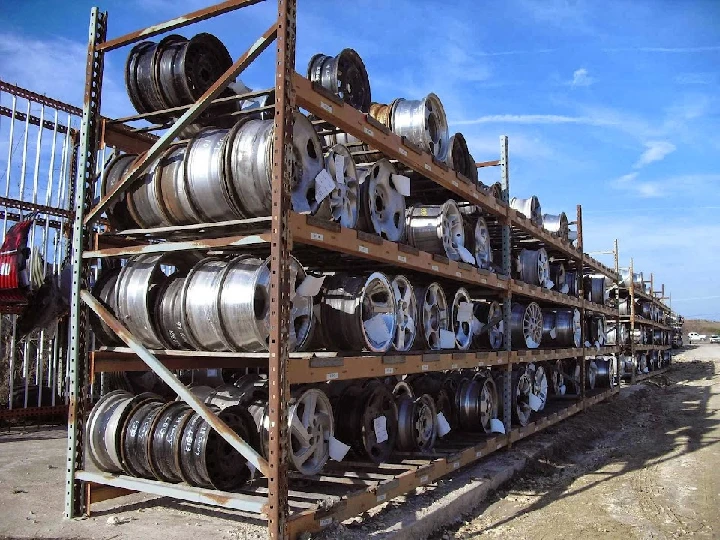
[434,314]
[462,330]
[483,250]
[405,313]
[382,207]
[341,205]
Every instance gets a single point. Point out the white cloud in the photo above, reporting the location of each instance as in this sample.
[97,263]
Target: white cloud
[525,119]
[662,242]
[678,50]
[690,186]
[514,53]
[654,151]
[56,67]
[581,78]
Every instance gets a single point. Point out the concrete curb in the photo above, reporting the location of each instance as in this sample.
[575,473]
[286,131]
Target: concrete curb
[481,481]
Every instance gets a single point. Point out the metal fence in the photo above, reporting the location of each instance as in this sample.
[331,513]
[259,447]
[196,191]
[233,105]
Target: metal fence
[37,161]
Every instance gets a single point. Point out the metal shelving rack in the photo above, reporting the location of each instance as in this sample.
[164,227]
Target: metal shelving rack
[635,321]
[283,232]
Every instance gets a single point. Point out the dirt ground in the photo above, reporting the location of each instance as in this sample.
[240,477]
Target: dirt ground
[655,475]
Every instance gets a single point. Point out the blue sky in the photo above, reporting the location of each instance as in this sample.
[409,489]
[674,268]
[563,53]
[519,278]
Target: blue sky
[613,105]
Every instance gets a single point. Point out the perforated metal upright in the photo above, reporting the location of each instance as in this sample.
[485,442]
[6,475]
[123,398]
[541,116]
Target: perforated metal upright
[78,365]
[275,506]
[506,269]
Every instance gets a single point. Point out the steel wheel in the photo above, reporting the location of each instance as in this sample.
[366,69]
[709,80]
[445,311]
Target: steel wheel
[459,159]
[174,187]
[104,292]
[244,305]
[417,423]
[205,176]
[423,122]
[136,290]
[248,165]
[432,307]
[344,75]
[556,224]
[117,212]
[310,428]
[405,314]
[530,208]
[437,229]
[462,330]
[103,430]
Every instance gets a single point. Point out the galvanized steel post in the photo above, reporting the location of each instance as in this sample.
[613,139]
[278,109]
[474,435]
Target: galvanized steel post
[507,270]
[74,494]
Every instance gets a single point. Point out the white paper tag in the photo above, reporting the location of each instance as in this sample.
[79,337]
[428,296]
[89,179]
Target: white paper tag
[501,326]
[587,345]
[646,370]
[339,168]
[310,286]
[443,425]
[402,184]
[549,284]
[465,310]
[562,390]
[553,333]
[535,402]
[496,426]
[380,427]
[530,342]
[338,449]
[377,328]
[252,470]
[476,326]
[597,345]
[324,185]
[447,339]
[465,255]
[565,289]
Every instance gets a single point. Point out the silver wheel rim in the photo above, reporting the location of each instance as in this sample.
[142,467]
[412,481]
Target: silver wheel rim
[341,205]
[434,315]
[309,431]
[381,205]
[377,299]
[496,333]
[522,398]
[423,122]
[483,250]
[452,230]
[405,314]
[462,330]
[540,385]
